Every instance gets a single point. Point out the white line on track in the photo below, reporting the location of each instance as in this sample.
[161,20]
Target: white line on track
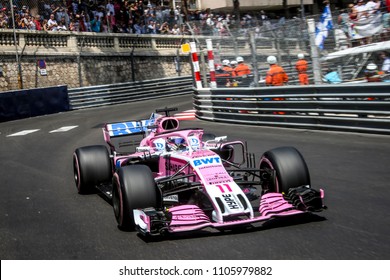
[64,129]
[23,132]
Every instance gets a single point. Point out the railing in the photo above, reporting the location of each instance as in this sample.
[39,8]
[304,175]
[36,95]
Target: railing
[364,108]
[52,42]
[106,95]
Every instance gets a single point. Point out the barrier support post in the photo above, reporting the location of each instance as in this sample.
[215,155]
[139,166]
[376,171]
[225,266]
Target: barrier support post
[195,64]
[210,58]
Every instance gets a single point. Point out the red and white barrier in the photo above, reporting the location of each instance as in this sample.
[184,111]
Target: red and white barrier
[210,56]
[186,115]
[195,63]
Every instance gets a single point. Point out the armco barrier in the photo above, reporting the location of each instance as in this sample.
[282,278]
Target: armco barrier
[349,107]
[105,95]
[34,102]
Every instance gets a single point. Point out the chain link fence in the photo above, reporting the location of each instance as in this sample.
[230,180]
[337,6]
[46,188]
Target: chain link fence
[250,36]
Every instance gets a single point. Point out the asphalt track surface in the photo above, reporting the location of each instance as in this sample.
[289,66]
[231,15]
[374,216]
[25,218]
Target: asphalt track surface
[42,216]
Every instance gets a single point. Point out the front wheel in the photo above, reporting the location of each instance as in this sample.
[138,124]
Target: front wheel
[133,188]
[289,168]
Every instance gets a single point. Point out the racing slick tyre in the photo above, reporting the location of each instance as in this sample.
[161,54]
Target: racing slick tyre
[133,188]
[290,169]
[91,167]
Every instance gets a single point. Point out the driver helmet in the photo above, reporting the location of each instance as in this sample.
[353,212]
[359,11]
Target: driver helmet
[176,144]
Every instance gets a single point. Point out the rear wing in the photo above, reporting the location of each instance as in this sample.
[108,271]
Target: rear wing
[124,137]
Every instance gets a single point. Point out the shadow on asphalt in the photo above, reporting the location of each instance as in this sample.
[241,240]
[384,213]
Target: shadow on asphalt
[278,222]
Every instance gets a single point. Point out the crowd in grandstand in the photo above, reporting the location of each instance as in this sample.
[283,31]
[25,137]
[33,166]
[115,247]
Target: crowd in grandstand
[146,17]
[117,16]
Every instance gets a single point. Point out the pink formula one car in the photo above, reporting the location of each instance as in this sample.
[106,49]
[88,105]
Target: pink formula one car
[162,179]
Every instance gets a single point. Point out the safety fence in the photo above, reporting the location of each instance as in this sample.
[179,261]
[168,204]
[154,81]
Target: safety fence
[105,95]
[364,108]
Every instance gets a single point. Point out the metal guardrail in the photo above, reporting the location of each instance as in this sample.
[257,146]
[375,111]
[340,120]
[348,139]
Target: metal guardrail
[105,95]
[353,108]
[344,107]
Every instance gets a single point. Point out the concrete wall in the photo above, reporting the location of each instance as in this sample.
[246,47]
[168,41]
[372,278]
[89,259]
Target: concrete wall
[92,70]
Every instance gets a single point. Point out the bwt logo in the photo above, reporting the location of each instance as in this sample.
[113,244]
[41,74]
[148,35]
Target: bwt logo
[209,160]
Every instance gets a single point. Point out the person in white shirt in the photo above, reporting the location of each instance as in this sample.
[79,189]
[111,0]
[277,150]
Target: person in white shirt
[361,10]
[386,62]
[110,13]
[52,23]
[373,6]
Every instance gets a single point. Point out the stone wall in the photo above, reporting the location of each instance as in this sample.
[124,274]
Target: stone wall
[75,71]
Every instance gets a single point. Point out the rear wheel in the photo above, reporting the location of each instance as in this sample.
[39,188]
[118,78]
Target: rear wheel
[91,166]
[133,188]
[289,167]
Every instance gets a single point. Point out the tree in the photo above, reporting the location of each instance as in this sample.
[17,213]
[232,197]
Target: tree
[236,9]
[285,8]
[184,8]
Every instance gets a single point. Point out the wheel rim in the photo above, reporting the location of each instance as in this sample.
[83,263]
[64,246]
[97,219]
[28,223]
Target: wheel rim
[76,171]
[117,201]
[265,163]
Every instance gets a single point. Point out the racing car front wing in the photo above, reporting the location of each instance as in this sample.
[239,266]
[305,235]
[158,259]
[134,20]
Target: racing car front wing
[190,217]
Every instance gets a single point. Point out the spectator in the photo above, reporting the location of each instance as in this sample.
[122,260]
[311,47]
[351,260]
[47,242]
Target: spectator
[262,17]
[301,67]
[62,13]
[104,25]
[386,26]
[164,29]
[3,21]
[372,7]
[343,20]
[372,74]
[21,21]
[110,9]
[332,77]
[81,22]
[276,76]
[361,10]
[195,29]
[52,10]
[62,26]
[353,13]
[139,28]
[99,12]
[175,30]
[386,62]
[184,30]
[45,25]
[52,23]
[242,69]
[151,28]
[37,22]
[31,23]
[95,24]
